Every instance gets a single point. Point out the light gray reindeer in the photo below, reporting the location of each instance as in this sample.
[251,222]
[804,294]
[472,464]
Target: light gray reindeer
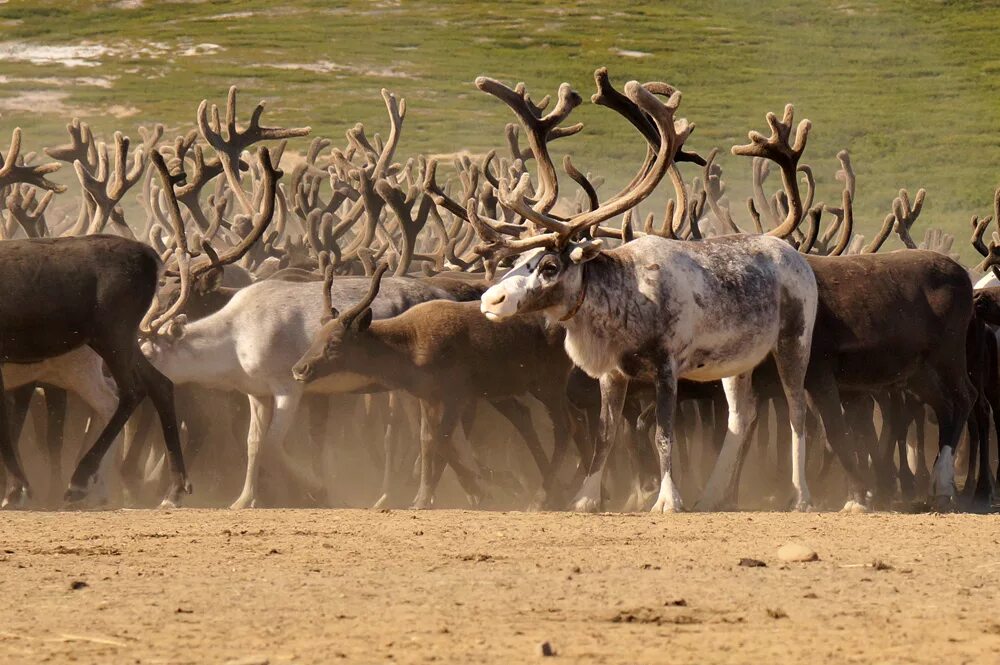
[663,310]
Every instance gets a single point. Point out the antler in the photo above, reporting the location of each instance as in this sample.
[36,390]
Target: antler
[907,215]
[32,220]
[81,148]
[347,318]
[232,145]
[786,155]
[540,130]
[11,173]
[673,134]
[108,186]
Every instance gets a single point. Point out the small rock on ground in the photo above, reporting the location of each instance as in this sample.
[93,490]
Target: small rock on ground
[791,552]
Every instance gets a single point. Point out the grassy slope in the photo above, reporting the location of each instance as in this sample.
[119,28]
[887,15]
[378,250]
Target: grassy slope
[909,87]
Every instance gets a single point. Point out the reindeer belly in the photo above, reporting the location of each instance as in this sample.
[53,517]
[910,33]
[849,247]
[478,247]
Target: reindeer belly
[728,352]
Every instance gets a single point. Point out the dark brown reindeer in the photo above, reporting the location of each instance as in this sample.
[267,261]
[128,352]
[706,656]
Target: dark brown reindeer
[62,293]
[448,355]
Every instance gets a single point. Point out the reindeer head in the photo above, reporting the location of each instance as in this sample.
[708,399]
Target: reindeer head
[339,346]
[542,279]
[550,274]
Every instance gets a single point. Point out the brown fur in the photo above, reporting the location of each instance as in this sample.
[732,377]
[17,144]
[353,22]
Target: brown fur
[448,354]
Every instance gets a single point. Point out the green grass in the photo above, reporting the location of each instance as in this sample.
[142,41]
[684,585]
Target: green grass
[910,88]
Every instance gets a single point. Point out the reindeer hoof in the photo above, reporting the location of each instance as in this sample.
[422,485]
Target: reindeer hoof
[803,506]
[74,495]
[16,499]
[422,503]
[853,507]
[383,502]
[169,504]
[664,505]
[586,504]
[943,504]
[243,503]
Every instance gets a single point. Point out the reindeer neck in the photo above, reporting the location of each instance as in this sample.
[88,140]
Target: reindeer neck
[605,322]
[203,355]
[392,355]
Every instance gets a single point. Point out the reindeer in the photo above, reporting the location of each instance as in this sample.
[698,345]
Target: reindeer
[661,310]
[97,290]
[446,354]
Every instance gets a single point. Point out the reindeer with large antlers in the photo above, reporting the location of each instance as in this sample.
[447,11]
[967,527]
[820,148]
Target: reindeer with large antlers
[663,310]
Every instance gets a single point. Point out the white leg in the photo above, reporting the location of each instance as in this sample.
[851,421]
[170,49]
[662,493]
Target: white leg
[261,411]
[792,360]
[944,473]
[742,419]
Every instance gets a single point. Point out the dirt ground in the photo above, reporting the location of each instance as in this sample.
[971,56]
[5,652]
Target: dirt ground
[283,586]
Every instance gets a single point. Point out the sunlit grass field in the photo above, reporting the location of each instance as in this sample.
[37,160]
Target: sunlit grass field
[910,88]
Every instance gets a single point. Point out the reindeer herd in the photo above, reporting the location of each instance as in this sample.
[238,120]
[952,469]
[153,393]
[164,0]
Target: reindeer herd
[364,297]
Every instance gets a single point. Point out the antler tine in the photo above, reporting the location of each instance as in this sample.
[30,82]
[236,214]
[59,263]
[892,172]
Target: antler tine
[810,182]
[847,228]
[150,137]
[760,170]
[540,130]
[168,181]
[235,142]
[397,112]
[11,173]
[815,214]
[786,155]
[582,180]
[846,172]
[438,195]
[348,317]
[327,285]
[979,227]
[883,234]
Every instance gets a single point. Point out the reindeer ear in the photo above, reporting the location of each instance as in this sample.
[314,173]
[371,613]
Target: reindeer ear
[585,251]
[364,320]
[210,281]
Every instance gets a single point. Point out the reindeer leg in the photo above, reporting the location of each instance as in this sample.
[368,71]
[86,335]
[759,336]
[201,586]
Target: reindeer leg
[55,411]
[137,433]
[614,387]
[18,490]
[261,412]
[669,499]
[742,422]
[948,390]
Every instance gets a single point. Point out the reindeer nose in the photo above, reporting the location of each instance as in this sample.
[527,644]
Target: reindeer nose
[302,372]
[494,298]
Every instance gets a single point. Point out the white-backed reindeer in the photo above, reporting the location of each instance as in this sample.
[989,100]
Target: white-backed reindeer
[662,310]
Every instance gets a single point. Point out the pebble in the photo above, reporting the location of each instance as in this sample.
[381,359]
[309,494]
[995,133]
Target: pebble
[790,552]
[546,649]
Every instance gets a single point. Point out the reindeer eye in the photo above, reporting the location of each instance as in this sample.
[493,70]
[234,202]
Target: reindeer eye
[549,270]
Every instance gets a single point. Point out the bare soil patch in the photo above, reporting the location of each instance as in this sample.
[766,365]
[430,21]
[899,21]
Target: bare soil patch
[211,586]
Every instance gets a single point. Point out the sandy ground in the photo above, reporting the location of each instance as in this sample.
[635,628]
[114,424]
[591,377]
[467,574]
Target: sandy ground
[282,586]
